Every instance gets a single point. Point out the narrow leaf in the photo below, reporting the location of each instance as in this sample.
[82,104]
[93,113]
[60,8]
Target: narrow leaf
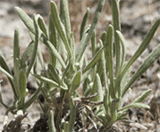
[66,126]
[143,96]
[16,53]
[35,66]
[109,58]
[102,67]
[16,76]
[137,105]
[97,88]
[22,86]
[42,25]
[93,43]
[72,115]
[7,74]
[5,67]
[106,101]
[117,26]
[51,122]
[144,66]
[143,45]
[27,53]
[32,98]
[94,60]
[53,40]
[54,51]
[54,73]
[29,24]
[103,37]
[66,70]
[52,32]
[84,42]
[12,82]
[86,74]
[121,115]
[47,80]
[40,57]
[125,79]
[123,47]
[64,15]
[26,19]
[72,50]
[85,87]
[35,47]
[75,82]
[113,109]
[84,22]
[59,26]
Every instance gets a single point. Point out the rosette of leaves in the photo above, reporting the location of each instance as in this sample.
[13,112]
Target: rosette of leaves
[99,105]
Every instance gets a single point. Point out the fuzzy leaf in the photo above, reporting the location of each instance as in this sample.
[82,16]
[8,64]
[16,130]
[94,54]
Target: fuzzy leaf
[72,50]
[47,80]
[16,53]
[52,32]
[16,76]
[85,40]
[137,105]
[27,53]
[143,96]
[76,81]
[6,73]
[143,45]
[59,26]
[86,87]
[22,86]
[66,126]
[121,115]
[124,80]
[29,24]
[113,109]
[35,46]
[26,19]
[40,57]
[117,26]
[97,88]
[103,37]
[32,98]
[54,51]
[51,122]
[84,22]
[106,102]
[94,60]
[123,47]
[64,15]
[54,73]
[42,25]
[53,40]
[143,67]
[72,115]
[5,67]
[12,80]
[93,43]
[66,69]
[109,58]
[102,65]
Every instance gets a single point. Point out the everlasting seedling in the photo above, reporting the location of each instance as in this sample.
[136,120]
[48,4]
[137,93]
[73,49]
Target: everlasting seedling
[103,87]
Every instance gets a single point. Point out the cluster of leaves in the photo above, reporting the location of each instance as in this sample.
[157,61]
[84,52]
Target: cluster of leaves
[100,103]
